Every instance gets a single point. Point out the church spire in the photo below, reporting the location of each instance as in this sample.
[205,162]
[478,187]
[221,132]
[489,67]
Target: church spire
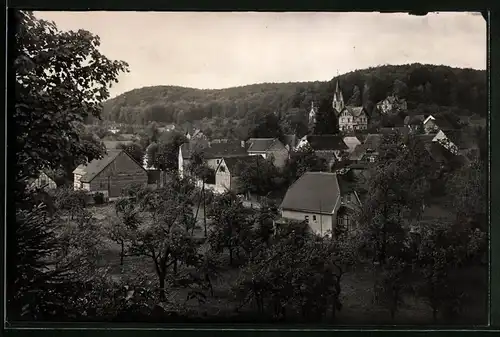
[338,99]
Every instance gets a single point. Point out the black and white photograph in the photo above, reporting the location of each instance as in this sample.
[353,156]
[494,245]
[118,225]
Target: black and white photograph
[292,168]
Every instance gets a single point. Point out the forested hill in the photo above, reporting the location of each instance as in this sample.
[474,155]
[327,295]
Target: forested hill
[427,88]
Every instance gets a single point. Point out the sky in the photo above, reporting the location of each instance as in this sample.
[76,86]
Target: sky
[220,50]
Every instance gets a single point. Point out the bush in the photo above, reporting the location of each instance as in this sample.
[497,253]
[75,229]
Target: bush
[99,198]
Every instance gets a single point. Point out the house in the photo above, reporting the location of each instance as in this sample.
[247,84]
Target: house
[323,200]
[414,122]
[227,173]
[351,142]
[110,175]
[349,117]
[114,130]
[196,134]
[330,147]
[368,151]
[213,154]
[456,141]
[392,104]
[266,147]
[43,181]
[113,144]
[434,124]
[291,142]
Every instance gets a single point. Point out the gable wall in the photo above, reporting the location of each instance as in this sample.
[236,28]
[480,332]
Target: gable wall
[122,172]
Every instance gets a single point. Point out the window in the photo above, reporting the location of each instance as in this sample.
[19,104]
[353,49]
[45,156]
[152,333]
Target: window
[102,184]
[372,159]
[306,218]
[218,161]
[314,217]
[81,184]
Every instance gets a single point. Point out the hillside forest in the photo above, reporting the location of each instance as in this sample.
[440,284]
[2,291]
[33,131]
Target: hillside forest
[235,112]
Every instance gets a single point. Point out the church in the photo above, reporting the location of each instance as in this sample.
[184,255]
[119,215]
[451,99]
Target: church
[349,117]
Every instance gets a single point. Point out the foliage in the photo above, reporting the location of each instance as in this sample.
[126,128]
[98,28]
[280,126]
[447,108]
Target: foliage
[301,161]
[61,78]
[260,178]
[135,150]
[230,226]
[233,112]
[299,275]
[164,235]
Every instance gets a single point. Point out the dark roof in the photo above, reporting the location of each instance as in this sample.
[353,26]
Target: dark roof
[96,166]
[399,129]
[290,140]
[442,123]
[425,138]
[355,110]
[414,120]
[443,156]
[112,144]
[372,142]
[326,142]
[460,139]
[228,149]
[316,192]
[260,144]
[232,162]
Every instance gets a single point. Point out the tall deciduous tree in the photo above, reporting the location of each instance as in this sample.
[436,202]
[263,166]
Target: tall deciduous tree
[60,79]
[356,97]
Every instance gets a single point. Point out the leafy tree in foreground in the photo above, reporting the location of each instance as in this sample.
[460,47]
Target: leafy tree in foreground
[164,235]
[61,78]
[230,225]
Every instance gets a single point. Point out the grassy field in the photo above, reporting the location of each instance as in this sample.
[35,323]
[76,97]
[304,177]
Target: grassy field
[357,289]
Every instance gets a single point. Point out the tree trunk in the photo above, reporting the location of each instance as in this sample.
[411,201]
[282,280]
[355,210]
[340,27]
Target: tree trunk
[204,210]
[162,287]
[175,267]
[230,256]
[122,253]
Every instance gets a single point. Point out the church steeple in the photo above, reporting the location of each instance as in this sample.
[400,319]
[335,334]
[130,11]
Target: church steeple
[338,99]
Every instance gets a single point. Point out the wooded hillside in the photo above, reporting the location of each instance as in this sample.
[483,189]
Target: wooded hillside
[427,88]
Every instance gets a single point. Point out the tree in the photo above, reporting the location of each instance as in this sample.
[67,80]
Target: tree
[356,97]
[444,247]
[120,229]
[301,161]
[326,119]
[151,152]
[153,132]
[230,226]
[268,126]
[258,177]
[61,78]
[135,150]
[466,188]
[165,235]
[298,273]
[399,88]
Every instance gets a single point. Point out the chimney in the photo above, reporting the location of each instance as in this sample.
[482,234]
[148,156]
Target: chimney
[243,143]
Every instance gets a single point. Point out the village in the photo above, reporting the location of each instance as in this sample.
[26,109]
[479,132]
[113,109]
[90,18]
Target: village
[177,193]
[327,202]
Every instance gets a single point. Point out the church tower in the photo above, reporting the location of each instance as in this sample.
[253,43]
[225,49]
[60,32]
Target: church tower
[312,117]
[338,99]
